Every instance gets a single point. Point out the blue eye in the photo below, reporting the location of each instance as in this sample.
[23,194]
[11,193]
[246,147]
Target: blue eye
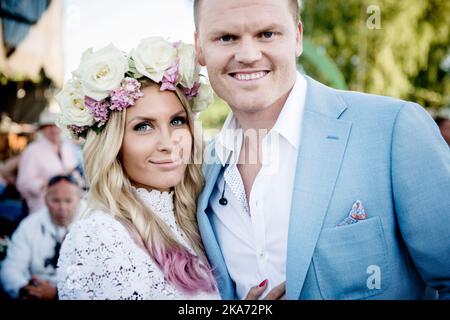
[142,127]
[268,35]
[178,121]
[227,38]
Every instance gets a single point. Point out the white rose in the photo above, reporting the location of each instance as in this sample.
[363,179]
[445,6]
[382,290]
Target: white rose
[189,68]
[204,98]
[101,71]
[73,109]
[153,57]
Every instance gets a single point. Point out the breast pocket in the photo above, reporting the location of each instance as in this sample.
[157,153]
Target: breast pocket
[351,261]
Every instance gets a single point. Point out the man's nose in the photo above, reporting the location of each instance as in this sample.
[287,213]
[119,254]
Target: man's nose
[248,51]
[58,212]
[63,207]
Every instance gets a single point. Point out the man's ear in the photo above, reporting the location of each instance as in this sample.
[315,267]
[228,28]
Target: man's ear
[198,50]
[299,46]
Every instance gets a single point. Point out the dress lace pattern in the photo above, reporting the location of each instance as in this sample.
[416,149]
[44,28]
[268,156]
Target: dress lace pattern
[100,260]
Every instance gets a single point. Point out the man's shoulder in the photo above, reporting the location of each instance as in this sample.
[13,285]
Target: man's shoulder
[362,107]
[34,218]
[367,102]
[33,147]
[388,113]
[351,105]
[30,225]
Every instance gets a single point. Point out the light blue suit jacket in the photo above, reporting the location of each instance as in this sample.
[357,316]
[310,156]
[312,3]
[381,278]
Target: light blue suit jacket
[390,155]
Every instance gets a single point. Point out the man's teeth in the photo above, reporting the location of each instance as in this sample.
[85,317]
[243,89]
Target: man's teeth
[250,76]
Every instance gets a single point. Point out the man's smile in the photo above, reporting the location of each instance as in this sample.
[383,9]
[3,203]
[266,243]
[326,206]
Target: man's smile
[249,75]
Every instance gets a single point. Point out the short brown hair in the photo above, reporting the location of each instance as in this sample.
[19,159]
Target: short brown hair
[295,5]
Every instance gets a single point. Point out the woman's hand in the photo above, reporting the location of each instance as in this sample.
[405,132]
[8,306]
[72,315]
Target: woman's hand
[277,293]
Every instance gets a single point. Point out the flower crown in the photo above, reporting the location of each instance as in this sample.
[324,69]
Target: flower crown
[108,80]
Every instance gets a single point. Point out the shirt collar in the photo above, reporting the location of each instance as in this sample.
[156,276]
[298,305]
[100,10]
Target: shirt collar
[229,140]
[291,115]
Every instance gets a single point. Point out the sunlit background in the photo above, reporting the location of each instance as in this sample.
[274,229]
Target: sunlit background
[96,23]
[395,48]
[124,23]
[387,47]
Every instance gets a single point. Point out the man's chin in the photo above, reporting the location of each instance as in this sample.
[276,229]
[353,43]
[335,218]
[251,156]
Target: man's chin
[62,223]
[251,106]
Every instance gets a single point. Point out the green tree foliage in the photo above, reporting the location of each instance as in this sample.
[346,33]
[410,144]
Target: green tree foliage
[388,47]
[214,116]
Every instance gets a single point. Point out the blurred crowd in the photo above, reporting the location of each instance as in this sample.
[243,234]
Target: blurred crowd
[41,194]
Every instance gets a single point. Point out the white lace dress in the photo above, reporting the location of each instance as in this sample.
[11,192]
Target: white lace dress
[100,260]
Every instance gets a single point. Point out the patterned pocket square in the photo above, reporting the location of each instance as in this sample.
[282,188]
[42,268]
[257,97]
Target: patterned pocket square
[356,214]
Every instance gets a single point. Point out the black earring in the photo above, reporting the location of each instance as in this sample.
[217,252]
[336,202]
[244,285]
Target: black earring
[223,201]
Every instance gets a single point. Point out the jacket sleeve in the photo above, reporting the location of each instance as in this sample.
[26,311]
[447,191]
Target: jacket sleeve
[15,271]
[421,190]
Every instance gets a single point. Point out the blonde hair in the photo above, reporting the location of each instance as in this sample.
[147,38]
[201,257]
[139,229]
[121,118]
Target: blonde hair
[110,190]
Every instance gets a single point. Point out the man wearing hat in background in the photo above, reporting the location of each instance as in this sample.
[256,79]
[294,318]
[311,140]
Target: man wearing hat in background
[42,159]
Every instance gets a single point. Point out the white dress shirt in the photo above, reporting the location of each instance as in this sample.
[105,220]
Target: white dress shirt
[31,252]
[253,236]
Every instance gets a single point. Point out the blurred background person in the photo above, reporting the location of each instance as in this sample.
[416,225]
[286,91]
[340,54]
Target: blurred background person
[11,202]
[29,269]
[8,172]
[12,210]
[48,156]
[77,149]
[444,125]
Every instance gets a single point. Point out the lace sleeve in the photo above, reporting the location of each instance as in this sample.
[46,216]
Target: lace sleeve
[96,262]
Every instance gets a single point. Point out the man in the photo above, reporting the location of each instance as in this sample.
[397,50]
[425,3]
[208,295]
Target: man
[444,126]
[29,270]
[42,159]
[353,201]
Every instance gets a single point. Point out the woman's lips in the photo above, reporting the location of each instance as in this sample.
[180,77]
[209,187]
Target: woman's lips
[166,165]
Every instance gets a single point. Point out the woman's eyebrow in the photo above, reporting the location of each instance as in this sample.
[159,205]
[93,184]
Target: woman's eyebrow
[144,118]
[140,118]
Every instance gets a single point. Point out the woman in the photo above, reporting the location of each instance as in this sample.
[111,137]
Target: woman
[139,238]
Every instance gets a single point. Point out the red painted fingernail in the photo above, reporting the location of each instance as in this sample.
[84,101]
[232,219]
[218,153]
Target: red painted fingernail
[262,284]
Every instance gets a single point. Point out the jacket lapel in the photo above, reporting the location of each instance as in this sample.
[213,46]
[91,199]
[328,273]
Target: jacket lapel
[323,143]
[212,248]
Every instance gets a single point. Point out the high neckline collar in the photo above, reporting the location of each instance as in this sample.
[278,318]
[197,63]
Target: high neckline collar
[160,202]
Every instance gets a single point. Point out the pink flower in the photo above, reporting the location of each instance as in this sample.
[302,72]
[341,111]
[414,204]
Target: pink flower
[170,78]
[177,44]
[77,131]
[192,92]
[99,110]
[126,95]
